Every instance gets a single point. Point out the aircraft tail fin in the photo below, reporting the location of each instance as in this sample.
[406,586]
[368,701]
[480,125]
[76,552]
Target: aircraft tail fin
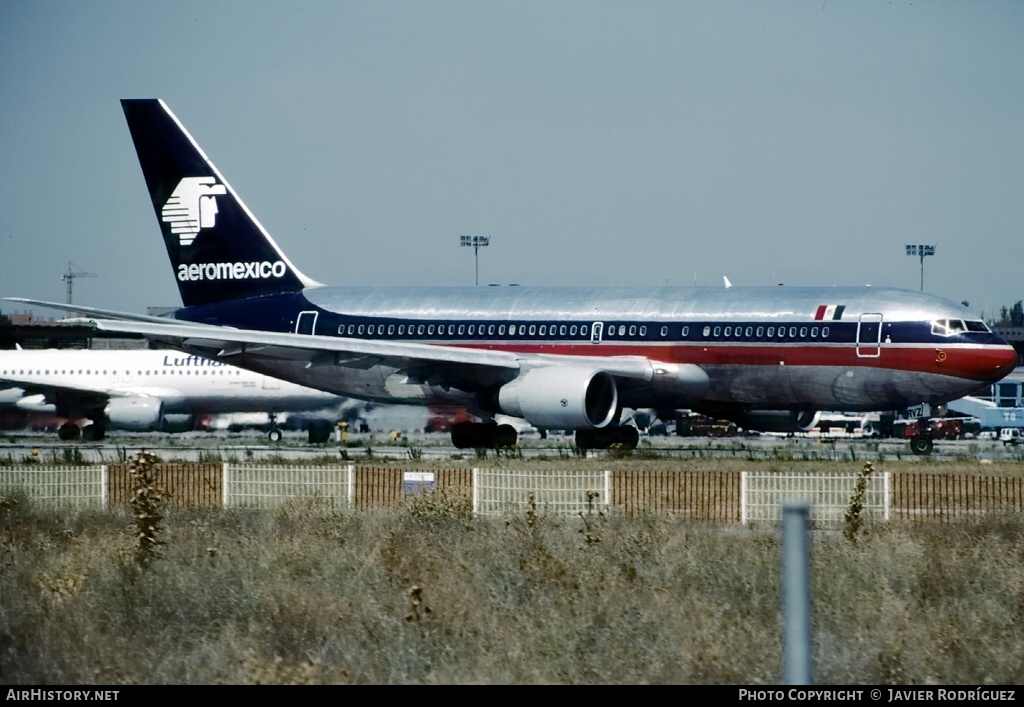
[218,250]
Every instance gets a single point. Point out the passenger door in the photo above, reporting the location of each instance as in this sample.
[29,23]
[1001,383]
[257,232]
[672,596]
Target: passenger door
[869,335]
[306,323]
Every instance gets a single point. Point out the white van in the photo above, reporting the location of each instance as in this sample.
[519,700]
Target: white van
[1010,435]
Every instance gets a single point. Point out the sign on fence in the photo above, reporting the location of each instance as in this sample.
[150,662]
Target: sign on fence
[417,481]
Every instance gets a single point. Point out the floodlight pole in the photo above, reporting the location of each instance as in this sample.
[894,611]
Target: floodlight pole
[920,251]
[477,242]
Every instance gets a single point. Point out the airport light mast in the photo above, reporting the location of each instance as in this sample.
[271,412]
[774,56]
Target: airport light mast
[477,242]
[921,251]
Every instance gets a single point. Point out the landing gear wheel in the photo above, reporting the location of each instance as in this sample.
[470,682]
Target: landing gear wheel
[274,435]
[483,435]
[68,432]
[921,446]
[464,435]
[94,432]
[626,437]
[505,437]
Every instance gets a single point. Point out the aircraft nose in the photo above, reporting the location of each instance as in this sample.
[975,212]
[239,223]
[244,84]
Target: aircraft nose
[1004,359]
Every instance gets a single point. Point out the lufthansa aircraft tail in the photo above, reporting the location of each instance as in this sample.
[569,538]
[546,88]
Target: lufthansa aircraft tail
[218,249]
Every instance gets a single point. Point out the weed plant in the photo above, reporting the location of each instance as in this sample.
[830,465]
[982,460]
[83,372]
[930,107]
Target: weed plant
[429,594]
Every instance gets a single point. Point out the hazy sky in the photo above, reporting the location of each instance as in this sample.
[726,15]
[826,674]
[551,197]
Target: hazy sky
[595,142]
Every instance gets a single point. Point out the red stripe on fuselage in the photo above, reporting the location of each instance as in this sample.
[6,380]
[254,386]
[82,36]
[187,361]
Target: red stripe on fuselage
[968,361]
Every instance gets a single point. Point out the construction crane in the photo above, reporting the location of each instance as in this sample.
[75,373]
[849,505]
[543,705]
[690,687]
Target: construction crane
[69,277]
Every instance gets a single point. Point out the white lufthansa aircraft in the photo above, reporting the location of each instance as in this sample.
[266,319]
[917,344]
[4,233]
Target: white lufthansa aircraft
[767,358]
[144,390]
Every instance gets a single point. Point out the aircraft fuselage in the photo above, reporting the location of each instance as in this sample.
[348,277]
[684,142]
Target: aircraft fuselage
[823,348]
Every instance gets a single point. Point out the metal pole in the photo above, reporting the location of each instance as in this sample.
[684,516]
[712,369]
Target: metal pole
[796,594]
[922,270]
[476,257]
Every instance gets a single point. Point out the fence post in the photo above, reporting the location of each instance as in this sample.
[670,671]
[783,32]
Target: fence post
[887,481]
[796,593]
[743,498]
[476,491]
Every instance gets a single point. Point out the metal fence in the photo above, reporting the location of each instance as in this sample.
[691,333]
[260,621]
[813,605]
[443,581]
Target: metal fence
[920,497]
[829,495]
[502,491]
[183,485]
[74,487]
[699,497]
[265,486]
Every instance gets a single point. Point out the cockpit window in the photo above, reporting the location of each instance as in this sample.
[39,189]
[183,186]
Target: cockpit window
[952,327]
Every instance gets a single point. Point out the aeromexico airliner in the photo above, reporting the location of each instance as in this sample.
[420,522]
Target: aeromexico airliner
[558,357]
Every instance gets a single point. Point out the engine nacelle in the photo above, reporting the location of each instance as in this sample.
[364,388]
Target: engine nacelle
[138,414]
[10,396]
[35,403]
[779,420]
[561,397]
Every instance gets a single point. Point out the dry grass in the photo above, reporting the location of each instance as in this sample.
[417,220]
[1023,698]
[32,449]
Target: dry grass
[430,595]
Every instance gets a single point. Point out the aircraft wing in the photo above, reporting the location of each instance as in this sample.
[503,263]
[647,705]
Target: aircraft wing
[32,387]
[29,394]
[91,311]
[429,362]
[33,396]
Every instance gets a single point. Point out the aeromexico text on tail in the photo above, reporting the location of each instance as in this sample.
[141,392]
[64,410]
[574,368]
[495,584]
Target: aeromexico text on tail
[558,357]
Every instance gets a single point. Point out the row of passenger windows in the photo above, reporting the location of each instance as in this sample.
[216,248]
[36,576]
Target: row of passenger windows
[97,372]
[574,330]
[467,330]
[765,332]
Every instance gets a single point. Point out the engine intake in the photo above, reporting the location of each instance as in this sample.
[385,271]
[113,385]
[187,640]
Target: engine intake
[561,397]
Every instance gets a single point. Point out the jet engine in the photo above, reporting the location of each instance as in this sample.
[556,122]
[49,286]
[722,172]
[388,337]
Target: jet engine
[35,403]
[138,414]
[561,397]
[10,396]
[778,420]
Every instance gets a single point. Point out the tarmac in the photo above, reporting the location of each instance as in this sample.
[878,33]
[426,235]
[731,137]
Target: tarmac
[253,446]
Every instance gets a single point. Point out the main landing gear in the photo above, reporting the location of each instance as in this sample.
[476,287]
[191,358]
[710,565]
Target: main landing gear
[921,445]
[618,436]
[483,435]
[69,432]
[274,434]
